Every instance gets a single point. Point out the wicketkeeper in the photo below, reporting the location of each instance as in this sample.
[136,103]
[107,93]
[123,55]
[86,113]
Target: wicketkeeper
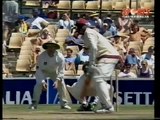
[50,64]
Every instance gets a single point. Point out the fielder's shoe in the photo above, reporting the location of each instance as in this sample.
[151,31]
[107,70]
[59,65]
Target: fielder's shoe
[66,107]
[105,110]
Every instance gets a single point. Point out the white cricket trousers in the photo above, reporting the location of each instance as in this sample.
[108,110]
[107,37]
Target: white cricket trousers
[63,94]
[100,74]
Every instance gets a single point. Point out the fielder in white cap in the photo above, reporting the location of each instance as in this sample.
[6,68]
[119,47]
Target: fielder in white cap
[50,64]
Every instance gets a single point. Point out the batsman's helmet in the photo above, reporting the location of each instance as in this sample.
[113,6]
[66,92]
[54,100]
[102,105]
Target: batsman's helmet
[80,23]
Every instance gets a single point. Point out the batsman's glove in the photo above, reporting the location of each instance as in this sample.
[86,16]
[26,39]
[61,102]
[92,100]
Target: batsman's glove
[44,85]
[88,68]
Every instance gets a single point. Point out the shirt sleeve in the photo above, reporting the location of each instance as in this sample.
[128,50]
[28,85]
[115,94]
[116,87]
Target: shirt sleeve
[39,73]
[121,74]
[17,8]
[43,20]
[71,23]
[60,74]
[60,23]
[133,75]
[120,21]
[92,44]
[151,73]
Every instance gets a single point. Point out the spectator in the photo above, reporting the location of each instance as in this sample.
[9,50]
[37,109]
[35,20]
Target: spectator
[10,16]
[124,24]
[85,16]
[110,22]
[82,57]
[135,34]
[149,56]
[4,48]
[53,3]
[44,37]
[145,71]
[70,60]
[36,24]
[46,5]
[43,13]
[127,72]
[52,14]
[66,22]
[5,71]
[119,43]
[95,21]
[132,59]
[105,30]
[23,26]
[10,11]
[36,53]
[74,40]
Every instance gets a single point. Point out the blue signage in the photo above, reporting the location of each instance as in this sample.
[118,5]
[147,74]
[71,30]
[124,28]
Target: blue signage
[17,91]
[133,92]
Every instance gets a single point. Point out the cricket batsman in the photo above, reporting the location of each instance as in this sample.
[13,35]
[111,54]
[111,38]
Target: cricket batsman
[50,64]
[103,58]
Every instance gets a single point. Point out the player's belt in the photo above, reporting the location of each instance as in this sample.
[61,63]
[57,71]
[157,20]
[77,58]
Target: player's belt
[109,56]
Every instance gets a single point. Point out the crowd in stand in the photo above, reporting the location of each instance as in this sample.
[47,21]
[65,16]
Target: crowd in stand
[134,43]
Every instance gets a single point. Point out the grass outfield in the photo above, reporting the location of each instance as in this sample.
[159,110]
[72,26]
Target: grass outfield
[53,112]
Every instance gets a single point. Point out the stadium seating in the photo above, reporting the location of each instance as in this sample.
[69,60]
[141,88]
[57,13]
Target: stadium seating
[33,32]
[25,57]
[134,4]
[64,4]
[80,72]
[149,41]
[69,73]
[32,3]
[119,6]
[78,5]
[106,5]
[60,39]
[23,42]
[92,5]
[23,66]
[145,48]
[62,33]
[15,43]
[26,52]
[26,47]
[75,49]
[52,27]
[27,43]
[17,34]
[147,4]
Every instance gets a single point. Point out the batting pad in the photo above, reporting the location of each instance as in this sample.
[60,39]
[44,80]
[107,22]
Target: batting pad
[76,89]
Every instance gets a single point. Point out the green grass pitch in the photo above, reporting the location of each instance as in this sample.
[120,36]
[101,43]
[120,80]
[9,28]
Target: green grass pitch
[53,112]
